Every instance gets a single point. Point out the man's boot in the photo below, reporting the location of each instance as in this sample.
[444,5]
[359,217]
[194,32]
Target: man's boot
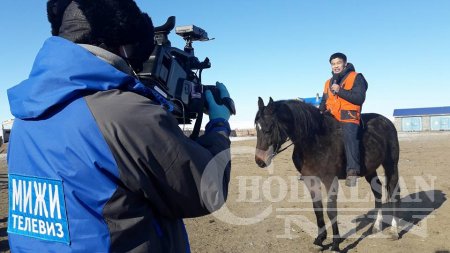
[352,177]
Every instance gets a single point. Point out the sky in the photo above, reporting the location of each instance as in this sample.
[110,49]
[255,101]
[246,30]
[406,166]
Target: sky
[280,49]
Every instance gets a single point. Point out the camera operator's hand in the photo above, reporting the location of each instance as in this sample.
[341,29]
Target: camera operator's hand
[217,111]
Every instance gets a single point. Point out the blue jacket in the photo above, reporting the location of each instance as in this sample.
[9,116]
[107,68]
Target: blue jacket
[96,167]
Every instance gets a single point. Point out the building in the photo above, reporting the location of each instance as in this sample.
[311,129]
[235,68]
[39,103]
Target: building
[422,119]
[315,101]
[6,129]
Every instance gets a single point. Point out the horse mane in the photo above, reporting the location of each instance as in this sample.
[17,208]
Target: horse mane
[306,120]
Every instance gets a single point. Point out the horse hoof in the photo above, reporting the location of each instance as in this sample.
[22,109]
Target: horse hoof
[335,249]
[393,235]
[375,230]
[318,245]
[316,248]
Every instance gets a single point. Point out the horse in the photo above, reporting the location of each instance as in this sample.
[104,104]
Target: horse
[319,156]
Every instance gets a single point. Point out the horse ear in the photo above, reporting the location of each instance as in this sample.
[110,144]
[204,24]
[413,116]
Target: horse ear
[270,106]
[260,103]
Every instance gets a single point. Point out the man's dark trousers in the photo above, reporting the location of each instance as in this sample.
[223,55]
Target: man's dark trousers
[351,145]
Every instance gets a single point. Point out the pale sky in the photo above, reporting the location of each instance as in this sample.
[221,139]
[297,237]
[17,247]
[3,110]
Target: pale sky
[281,48]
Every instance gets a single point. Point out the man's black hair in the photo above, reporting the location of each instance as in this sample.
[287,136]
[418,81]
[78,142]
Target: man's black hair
[338,55]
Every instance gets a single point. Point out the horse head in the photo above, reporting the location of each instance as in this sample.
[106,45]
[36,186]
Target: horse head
[271,133]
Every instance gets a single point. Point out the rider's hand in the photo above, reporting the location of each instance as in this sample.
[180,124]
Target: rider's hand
[335,88]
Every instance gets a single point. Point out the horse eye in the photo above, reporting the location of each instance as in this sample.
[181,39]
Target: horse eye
[267,129]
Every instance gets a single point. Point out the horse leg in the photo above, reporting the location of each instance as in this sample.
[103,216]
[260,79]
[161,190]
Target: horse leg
[332,186]
[313,185]
[375,185]
[393,191]
[298,161]
[395,203]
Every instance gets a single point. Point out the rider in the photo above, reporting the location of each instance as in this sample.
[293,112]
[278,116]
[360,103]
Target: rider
[343,96]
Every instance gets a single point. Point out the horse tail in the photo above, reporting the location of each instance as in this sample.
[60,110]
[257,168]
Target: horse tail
[390,164]
[392,185]
[391,170]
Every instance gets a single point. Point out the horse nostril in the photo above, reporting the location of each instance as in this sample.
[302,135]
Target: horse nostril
[260,163]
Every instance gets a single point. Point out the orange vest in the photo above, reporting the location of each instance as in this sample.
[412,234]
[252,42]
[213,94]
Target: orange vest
[341,109]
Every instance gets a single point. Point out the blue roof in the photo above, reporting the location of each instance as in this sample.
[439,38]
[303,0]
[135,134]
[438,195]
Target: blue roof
[314,100]
[422,111]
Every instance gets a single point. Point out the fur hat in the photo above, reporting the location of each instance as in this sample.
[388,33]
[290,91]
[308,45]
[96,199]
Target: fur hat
[100,22]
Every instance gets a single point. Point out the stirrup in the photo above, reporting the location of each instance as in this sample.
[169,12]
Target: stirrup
[350,181]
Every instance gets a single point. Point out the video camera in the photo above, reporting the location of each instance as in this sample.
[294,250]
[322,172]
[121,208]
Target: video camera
[175,75]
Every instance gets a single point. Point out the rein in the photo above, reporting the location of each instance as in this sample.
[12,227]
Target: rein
[283,149]
[276,153]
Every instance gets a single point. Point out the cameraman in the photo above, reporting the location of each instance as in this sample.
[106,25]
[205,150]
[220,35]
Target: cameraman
[95,166]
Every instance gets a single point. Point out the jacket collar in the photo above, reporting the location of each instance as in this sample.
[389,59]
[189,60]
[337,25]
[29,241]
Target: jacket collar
[64,71]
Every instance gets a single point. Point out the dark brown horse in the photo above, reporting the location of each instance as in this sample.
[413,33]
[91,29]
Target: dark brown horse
[319,155]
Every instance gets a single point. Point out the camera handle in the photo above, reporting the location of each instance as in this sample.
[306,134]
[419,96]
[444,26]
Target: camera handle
[162,32]
[198,123]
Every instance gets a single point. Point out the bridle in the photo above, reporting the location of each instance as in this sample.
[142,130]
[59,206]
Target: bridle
[278,128]
[279,145]
[276,153]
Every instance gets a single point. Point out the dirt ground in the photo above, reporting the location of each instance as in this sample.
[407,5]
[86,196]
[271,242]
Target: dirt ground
[268,210]
[3,202]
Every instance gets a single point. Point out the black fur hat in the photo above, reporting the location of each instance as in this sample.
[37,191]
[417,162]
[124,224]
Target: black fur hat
[100,22]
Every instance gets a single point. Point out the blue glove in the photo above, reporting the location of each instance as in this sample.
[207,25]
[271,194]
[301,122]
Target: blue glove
[217,111]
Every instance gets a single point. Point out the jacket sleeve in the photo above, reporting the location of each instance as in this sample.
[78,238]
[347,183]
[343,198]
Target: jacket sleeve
[196,173]
[178,177]
[323,102]
[357,94]
[322,106]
